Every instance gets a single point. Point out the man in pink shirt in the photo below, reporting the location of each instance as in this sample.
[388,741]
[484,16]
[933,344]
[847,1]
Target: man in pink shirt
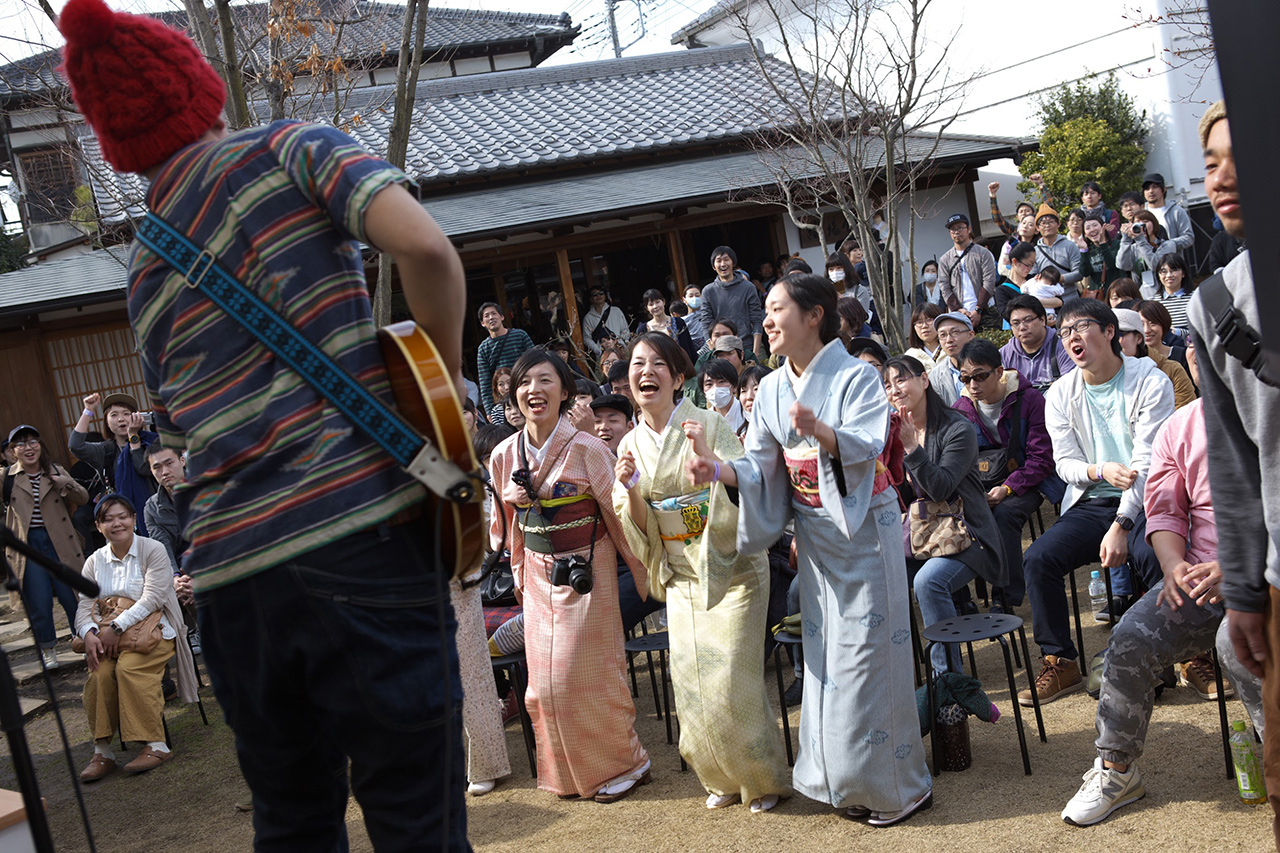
[1175,621]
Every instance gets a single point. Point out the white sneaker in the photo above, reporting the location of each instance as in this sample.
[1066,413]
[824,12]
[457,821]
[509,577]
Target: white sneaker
[50,656]
[193,636]
[479,789]
[1104,790]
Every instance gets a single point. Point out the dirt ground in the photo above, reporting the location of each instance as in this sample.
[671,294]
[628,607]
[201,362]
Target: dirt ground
[189,803]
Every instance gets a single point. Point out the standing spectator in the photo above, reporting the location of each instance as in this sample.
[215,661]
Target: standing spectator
[923,336]
[719,381]
[940,451]
[9,455]
[1092,205]
[927,290]
[123,689]
[693,300]
[1176,286]
[611,417]
[1102,418]
[1026,233]
[1130,203]
[1008,415]
[281,487]
[162,522]
[1055,250]
[1241,412]
[41,496]
[123,456]
[1022,259]
[954,331]
[840,272]
[500,390]
[1170,215]
[858,284]
[659,321]
[1035,350]
[967,272]
[732,296]
[1047,287]
[1223,250]
[1024,208]
[1075,229]
[604,326]
[500,349]
[1143,243]
[853,319]
[766,275]
[1122,290]
[1098,264]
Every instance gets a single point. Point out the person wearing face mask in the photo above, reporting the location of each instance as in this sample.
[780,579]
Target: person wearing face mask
[697,329]
[927,290]
[719,383]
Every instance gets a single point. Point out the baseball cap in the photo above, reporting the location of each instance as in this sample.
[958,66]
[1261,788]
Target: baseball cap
[19,429]
[617,402]
[1152,178]
[1130,320]
[954,315]
[119,400]
[728,343]
[956,219]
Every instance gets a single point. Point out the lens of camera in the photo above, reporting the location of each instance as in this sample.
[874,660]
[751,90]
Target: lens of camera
[580,580]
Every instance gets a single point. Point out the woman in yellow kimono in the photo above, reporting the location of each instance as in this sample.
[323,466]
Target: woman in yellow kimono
[716,598]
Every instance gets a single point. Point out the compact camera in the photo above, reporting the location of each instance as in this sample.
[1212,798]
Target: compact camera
[1139,227]
[573,572]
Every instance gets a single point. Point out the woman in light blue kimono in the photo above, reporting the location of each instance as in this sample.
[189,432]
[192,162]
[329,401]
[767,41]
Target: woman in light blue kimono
[817,426]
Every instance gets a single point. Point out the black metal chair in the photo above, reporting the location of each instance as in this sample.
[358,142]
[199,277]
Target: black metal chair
[658,643]
[983,626]
[784,638]
[514,665]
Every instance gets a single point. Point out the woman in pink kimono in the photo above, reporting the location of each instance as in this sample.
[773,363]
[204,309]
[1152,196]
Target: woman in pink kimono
[556,511]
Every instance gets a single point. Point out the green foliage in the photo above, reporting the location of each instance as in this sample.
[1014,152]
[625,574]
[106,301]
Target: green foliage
[1107,102]
[1084,149]
[999,337]
[12,248]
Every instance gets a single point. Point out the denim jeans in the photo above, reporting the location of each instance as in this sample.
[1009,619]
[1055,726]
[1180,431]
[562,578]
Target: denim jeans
[39,589]
[1074,541]
[933,583]
[633,609]
[346,652]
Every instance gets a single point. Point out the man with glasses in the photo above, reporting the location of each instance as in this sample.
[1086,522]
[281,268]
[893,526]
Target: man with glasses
[954,331]
[1103,419]
[1035,350]
[1055,250]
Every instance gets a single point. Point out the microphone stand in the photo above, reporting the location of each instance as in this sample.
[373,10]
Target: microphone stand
[10,710]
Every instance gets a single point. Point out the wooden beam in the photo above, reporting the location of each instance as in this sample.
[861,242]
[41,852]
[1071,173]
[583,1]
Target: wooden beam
[571,306]
[676,252]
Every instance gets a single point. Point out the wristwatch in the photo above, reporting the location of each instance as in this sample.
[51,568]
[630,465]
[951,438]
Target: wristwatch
[135,439]
[1126,523]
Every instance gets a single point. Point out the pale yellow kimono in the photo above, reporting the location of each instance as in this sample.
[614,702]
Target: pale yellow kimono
[716,614]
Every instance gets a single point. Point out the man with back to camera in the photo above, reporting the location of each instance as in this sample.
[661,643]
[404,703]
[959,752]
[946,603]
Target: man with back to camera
[1241,411]
[500,349]
[281,487]
[1102,417]
[968,277]
[1035,350]
[732,296]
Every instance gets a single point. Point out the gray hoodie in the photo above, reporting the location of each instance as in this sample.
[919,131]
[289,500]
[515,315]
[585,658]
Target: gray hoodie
[1242,422]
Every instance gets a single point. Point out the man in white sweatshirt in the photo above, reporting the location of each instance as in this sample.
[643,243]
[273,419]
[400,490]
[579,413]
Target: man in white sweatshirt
[1102,418]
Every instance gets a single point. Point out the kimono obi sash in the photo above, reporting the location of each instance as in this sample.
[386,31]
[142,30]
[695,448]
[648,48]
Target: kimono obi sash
[802,469]
[681,520]
[882,481]
[560,525]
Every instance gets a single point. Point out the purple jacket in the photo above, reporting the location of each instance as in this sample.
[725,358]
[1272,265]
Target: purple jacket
[1038,368]
[1037,449]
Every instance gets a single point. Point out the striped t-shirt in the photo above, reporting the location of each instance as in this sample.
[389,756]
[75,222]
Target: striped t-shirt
[273,470]
[37,520]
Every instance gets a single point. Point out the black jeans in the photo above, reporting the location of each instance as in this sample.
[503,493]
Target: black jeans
[1011,516]
[346,652]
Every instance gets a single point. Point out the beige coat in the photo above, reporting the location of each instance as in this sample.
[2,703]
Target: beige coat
[60,495]
[157,594]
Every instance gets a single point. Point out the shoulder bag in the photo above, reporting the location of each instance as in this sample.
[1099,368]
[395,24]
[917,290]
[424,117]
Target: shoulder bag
[938,528]
[141,637]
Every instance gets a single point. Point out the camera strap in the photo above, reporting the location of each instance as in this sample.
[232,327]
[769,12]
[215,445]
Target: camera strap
[523,477]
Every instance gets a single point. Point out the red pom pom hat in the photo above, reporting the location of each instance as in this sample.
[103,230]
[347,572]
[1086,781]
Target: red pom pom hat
[144,87]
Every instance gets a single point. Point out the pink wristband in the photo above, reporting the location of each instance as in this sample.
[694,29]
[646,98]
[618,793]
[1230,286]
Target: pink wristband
[631,483]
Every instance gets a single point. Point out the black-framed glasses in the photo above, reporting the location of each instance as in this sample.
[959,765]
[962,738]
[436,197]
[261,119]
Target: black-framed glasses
[1076,329]
[1024,322]
[980,376]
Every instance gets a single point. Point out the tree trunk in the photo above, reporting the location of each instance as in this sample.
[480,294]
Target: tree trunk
[411,41]
[238,114]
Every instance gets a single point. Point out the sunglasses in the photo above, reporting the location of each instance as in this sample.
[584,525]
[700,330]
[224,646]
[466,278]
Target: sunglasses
[980,376]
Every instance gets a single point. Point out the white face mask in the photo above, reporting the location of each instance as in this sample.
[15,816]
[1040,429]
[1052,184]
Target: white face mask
[929,277]
[836,275]
[693,301]
[720,397]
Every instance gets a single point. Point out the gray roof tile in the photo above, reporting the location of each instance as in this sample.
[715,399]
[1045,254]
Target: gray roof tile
[96,276]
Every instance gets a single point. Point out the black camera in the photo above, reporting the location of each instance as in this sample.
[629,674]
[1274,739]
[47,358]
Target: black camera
[1139,227]
[573,572]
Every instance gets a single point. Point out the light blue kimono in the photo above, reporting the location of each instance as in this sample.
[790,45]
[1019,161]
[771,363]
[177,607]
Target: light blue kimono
[859,731]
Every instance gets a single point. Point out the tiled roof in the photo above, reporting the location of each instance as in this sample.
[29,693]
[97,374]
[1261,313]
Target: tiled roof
[514,120]
[721,10]
[374,31]
[492,211]
[96,276]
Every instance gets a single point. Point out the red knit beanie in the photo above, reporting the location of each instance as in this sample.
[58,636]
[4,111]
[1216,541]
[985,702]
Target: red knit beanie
[144,87]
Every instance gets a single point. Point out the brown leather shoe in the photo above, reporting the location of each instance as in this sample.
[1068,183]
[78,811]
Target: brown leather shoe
[148,759]
[99,766]
[1057,678]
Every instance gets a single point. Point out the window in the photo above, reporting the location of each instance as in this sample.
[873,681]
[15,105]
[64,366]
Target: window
[49,180]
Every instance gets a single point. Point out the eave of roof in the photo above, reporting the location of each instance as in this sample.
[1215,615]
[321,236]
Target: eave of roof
[717,13]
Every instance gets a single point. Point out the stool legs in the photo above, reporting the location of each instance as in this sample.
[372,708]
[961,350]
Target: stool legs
[1017,706]
[782,703]
[1031,680]
[526,725]
[1222,716]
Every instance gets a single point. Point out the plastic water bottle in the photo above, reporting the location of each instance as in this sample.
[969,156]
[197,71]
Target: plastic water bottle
[1097,592]
[1244,754]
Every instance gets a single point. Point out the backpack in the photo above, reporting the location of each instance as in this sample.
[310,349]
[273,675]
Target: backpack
[1241,341]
